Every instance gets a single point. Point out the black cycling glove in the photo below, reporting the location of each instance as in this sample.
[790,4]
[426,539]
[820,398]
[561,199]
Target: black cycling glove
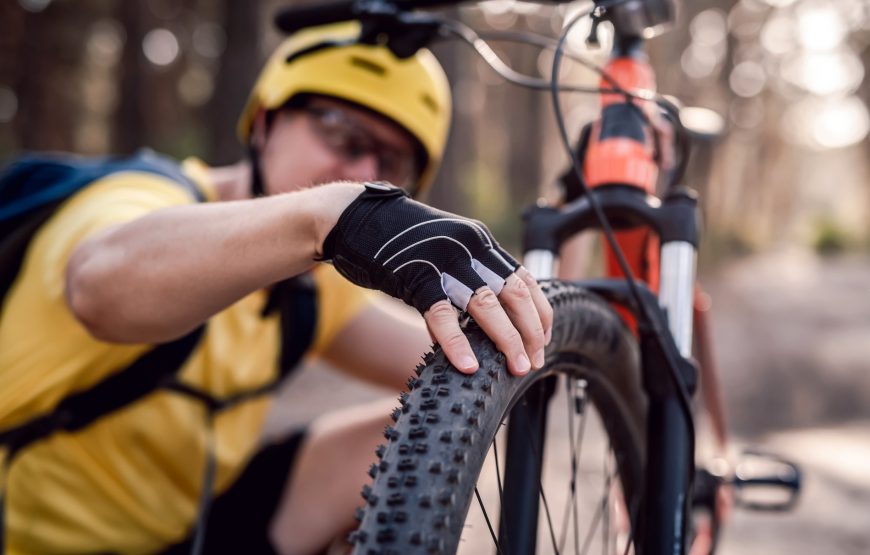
[384,240]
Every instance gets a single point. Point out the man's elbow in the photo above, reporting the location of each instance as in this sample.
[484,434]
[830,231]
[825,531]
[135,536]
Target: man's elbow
[88,297]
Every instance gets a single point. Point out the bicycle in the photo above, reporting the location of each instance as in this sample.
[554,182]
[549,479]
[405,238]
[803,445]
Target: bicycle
[621,344]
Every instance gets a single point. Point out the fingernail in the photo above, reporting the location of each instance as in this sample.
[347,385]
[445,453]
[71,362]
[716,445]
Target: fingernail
[468,363]
[539,359]
[548,336]
[523,364]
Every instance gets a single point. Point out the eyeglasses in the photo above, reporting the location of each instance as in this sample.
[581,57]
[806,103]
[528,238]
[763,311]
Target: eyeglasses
[350,140]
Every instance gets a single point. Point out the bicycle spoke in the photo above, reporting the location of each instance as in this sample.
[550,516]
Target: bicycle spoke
[486,518]
[541,485]
[563,537]
[599,513]
[576,444]
[608,485]
[593,526]
[632,518]
[500,493]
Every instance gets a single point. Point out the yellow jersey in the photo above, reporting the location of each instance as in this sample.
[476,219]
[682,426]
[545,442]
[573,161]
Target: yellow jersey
[130,481]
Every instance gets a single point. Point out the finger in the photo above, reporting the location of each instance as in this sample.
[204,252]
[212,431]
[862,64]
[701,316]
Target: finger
[545,310]
[444,328]
[487,311]
[517,301]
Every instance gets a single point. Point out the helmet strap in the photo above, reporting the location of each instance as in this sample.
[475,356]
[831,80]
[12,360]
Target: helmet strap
[258,188]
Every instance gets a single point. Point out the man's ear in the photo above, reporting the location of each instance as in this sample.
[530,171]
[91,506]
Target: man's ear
[259,130]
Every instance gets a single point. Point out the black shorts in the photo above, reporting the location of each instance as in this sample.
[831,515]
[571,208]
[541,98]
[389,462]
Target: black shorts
[239,519]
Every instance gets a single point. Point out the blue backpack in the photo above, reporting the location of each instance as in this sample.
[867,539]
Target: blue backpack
[34,186]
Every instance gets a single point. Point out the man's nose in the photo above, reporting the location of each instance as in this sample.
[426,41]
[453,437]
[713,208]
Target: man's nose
[364,168]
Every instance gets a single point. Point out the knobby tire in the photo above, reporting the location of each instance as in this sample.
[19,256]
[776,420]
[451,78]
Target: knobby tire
[425,479]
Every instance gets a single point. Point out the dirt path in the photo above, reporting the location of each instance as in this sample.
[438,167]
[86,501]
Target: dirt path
[793,338]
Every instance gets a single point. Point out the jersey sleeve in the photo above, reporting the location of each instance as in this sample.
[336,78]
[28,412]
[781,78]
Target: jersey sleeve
[113,200]
[338,302]
[45,353]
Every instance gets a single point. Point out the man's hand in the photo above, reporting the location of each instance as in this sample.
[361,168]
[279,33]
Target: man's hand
[435,260]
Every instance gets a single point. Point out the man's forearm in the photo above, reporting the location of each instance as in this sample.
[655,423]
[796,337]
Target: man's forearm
[155,278]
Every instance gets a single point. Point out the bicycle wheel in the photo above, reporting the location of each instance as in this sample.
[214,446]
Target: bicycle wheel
[426,479]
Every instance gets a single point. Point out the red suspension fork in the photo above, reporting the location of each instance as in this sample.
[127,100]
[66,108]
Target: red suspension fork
[622,151]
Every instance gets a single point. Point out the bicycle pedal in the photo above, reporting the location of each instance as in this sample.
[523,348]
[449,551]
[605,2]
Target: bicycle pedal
[766,482]
[706,485]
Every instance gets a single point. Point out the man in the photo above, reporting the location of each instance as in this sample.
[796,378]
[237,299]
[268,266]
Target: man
[133,261]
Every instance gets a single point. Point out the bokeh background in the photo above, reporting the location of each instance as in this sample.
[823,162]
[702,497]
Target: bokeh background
[782,165]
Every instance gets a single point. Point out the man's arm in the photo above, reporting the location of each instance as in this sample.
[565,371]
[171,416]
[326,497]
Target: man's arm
[381,345]
[157,277]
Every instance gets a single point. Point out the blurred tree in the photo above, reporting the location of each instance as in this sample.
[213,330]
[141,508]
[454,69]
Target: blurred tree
[130,123]
[155,57]
[49,53]
[64,85]
[11,38]
[447,192]
[236,74]
[522,109]
[492,165]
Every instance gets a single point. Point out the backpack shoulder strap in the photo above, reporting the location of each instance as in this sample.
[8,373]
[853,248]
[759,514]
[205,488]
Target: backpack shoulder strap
[149,372]
[295,300]
[298,320]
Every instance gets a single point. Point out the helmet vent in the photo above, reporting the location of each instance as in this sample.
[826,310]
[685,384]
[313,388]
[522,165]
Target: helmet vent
[368,65]
[430,103]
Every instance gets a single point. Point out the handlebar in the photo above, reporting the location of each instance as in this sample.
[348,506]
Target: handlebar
[291,19]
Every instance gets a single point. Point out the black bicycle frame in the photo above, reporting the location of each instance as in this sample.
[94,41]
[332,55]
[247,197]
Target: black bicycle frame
[660,526]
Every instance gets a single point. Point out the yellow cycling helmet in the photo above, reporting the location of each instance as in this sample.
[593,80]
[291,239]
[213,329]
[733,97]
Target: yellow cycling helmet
[412,92]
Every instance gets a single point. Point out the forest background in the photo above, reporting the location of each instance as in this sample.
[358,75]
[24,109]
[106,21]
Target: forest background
[782,162]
